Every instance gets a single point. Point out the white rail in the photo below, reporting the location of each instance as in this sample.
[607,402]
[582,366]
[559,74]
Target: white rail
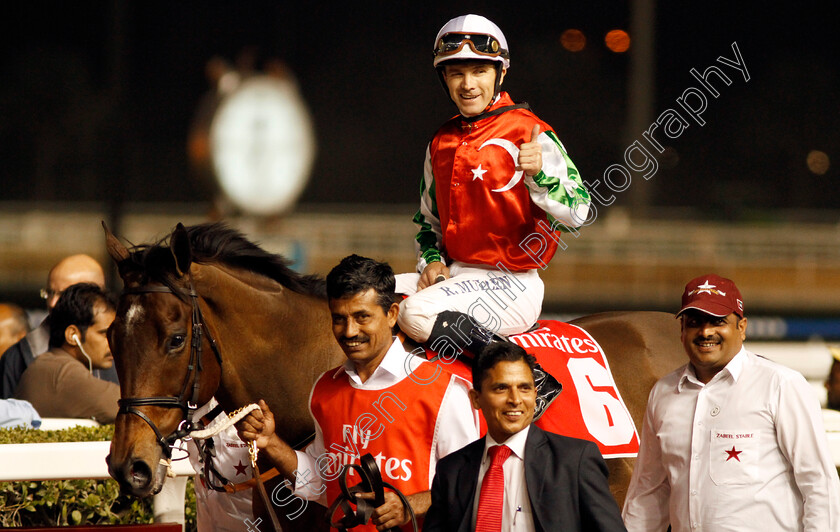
[64,460]
[82,460]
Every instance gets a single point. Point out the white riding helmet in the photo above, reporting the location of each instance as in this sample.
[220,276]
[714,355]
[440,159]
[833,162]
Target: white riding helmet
[471,37]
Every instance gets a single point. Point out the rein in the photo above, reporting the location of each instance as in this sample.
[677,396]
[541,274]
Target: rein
[371,482]
[187,405]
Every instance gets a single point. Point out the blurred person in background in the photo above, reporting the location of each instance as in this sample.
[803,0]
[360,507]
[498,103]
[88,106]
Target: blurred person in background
[14,361]
[17,413]
[60,382]
[832,383]
[13,325]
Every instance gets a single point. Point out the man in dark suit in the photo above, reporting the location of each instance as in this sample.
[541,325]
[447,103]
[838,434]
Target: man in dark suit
[551,482]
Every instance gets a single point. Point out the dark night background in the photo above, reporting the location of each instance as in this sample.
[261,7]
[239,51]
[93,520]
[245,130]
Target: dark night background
[97,97]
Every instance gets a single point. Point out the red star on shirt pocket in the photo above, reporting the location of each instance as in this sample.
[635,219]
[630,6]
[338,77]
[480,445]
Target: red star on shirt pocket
[733,456]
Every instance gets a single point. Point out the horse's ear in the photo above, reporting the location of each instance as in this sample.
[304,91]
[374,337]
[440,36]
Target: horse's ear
[179,244]
[115,248]
[118,252]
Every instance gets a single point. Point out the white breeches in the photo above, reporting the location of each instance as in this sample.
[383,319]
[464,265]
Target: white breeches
[502,302]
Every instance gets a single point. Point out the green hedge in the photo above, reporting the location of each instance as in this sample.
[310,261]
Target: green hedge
[74,502]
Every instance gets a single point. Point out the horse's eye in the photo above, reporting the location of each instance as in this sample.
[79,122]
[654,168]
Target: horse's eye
[176,341]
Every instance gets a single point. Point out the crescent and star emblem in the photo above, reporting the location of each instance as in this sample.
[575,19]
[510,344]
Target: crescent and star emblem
[513,151]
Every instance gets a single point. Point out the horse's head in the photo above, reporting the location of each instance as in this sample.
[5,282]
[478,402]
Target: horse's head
[166,359]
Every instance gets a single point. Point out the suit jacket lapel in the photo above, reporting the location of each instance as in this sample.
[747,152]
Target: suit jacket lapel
[536,457]
[468,478]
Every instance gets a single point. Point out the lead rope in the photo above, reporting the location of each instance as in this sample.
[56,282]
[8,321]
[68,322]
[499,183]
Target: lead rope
[217,427]
[253,451]
[209,432]
[223,423]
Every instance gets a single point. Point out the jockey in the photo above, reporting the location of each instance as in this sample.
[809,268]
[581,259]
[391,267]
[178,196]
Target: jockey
[497,185]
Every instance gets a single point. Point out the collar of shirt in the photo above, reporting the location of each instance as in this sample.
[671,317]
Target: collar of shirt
[516,443]
[391,370]
[734,369]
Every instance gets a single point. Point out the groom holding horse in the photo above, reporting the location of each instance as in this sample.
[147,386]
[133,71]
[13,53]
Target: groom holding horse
[382,400]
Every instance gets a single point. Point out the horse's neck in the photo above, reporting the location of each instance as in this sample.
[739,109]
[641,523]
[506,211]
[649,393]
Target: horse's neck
[274,341]
[260,302]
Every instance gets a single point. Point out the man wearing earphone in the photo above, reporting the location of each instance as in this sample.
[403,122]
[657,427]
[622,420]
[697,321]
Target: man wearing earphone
[60,382]
[78,268]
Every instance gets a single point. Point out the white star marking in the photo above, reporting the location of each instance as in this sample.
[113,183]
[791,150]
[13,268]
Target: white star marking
[134,314]
[478,173]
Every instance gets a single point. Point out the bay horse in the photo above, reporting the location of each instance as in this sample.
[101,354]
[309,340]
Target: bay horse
[206,313]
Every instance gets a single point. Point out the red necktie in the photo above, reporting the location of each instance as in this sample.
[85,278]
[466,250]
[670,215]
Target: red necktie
[492,498]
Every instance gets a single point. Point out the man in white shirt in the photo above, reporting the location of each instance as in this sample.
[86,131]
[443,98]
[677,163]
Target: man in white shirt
[731,441]
[404,411]
[550,482]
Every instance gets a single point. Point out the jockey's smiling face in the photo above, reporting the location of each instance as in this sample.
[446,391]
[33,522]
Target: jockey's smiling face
[471,84]
[363,329]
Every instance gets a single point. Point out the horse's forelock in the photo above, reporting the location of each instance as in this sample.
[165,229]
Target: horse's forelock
[153,263]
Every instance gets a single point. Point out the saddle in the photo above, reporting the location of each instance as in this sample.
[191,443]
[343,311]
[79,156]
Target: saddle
[590,406]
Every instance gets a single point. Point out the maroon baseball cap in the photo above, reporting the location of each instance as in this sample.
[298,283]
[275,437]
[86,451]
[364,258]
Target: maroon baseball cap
[713,295]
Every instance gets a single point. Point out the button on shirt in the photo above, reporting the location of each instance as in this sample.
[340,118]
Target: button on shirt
[517,515]
[457,422]
[746,451]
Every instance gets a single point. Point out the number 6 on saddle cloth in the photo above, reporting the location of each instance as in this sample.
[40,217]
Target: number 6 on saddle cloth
[371,481]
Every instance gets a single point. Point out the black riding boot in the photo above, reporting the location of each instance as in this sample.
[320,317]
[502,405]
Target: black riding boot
[456,334]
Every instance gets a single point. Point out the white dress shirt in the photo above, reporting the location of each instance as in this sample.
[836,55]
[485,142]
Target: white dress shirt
[746,451]
[457,422]
[517,515]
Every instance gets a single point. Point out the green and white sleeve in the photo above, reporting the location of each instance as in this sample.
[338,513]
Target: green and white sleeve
[428,241]
[558,188]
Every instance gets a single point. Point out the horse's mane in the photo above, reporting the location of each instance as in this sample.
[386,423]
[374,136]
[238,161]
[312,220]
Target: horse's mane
[218,243]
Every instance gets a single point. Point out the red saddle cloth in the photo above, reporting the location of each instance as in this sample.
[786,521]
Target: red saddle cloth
[590,406]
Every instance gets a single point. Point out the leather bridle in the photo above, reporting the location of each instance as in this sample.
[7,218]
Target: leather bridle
[187,405]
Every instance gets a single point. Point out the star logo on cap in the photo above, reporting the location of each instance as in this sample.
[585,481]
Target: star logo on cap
[708,289]
[733,454]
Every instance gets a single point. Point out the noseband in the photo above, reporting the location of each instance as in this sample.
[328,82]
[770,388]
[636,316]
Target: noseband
[187,405]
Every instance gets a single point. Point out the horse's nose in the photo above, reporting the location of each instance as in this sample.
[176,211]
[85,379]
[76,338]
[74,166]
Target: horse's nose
[133,479]
[139,476]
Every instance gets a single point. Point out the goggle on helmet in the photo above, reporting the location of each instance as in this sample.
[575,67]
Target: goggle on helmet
[471,37]
[481,46]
